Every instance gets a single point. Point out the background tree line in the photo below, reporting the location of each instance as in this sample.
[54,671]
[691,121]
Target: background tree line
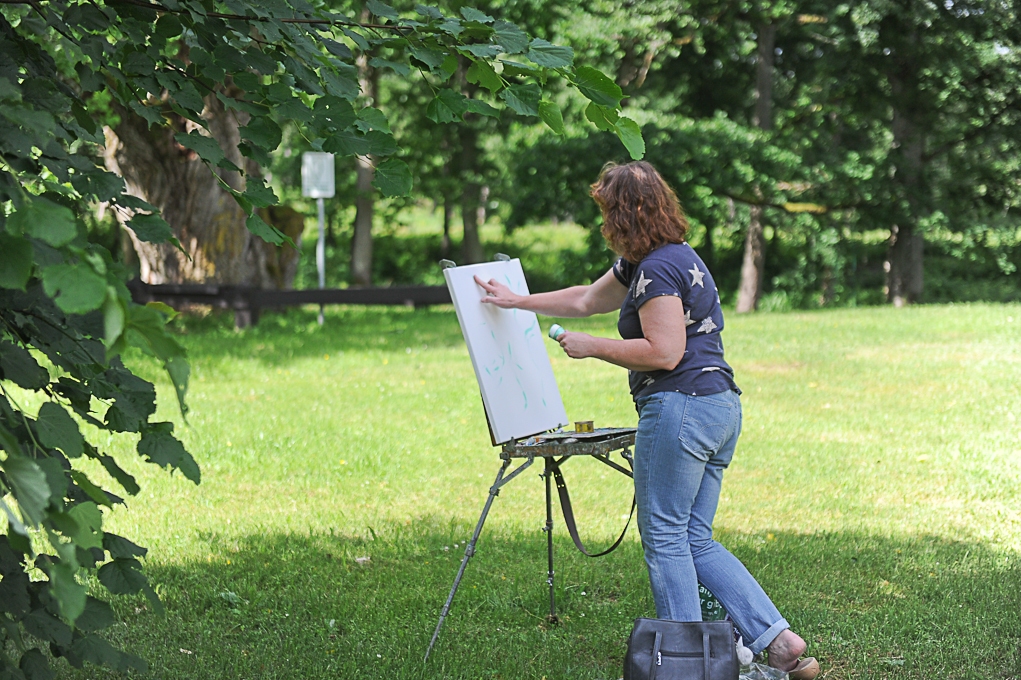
[826,153]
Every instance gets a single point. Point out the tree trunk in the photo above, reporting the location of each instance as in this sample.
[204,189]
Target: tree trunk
[448,217]
[903,265]
[754,262]
[205,219]
[471,245]
[361,241]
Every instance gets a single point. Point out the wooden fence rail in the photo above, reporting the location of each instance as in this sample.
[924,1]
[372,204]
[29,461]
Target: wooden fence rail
[248,302]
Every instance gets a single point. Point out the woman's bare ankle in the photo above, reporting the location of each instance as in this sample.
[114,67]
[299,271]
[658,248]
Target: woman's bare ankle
[785,649]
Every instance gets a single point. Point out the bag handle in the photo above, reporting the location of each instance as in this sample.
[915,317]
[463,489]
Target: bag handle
[572,528]
[705,653]
[657,660]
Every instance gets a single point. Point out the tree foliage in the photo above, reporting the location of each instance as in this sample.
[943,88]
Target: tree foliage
[66,317]
[892,118]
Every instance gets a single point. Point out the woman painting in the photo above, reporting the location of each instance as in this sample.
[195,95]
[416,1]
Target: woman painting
[688,404]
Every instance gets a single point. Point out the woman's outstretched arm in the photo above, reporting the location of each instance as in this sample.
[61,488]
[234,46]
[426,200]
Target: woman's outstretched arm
[603,295]
[662,348]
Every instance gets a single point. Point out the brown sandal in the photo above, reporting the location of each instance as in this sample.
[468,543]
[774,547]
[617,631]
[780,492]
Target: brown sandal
[806,669]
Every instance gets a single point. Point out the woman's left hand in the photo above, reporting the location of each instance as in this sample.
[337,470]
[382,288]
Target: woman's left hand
[578,345]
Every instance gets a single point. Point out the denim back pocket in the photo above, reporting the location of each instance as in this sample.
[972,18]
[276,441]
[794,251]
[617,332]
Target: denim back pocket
[706,424]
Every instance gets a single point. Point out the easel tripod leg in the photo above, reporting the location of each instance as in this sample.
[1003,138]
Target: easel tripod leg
[468,553]
[547,474]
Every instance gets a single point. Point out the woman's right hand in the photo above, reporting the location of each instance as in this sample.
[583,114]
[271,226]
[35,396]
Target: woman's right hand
[498,294]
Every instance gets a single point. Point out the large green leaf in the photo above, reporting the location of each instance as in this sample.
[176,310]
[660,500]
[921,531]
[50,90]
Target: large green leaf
[483,108]
[44,220]
[346,143]
[206,147]
[549,55]
[472,14]
[510,37]
[393,178]
[115,316]
[262,131]
[15,261]
[122,576]
[159,446]
[95,649]
[481,73]
[370,119]
[151,228]
[90,524]
[523,99]
[26,479]
[397,67]
[118,546]
[117,472]
[90,489]
[550,114]
[69,593]
[267,233]
[35,666]
[179,371]
[631,135]
[597,87]
[381,9]
[20,367]
[96,616]
[343,87]
[46,626]
[77,288]
[57,430]
[14,595]
[602,117]
[258,193]
[447,107]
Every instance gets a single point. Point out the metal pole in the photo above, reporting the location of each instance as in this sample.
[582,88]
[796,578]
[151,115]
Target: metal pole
[321,251]
[547,473]
[468,552]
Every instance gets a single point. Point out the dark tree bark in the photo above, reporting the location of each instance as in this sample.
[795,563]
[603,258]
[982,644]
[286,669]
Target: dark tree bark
[754,261]
[903,265]
[469,173]
[448,217]
[205,218]
[471,245]
[365,168]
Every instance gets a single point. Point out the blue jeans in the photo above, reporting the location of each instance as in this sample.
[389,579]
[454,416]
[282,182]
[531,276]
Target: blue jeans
[682,447]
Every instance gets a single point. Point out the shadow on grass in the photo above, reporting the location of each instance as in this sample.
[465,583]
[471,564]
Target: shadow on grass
[288,606]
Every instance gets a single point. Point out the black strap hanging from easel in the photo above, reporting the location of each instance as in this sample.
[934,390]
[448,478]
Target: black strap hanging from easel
[572,528]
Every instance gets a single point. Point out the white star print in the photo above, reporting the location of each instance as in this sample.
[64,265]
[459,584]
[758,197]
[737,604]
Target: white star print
[687,318]
[696,275]
[707,325]
[642,283]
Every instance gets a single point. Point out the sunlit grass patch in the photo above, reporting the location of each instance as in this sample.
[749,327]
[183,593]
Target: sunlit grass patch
[875,494]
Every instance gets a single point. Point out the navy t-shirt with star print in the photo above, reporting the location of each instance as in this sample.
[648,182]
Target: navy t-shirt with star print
[676,269]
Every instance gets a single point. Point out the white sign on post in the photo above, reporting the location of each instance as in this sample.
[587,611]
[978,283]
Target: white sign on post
[317,182]
[317,175]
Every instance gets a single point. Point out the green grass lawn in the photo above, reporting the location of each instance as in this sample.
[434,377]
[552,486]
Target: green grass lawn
[876,495]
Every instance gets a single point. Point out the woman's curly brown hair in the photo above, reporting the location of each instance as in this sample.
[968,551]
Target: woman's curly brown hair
[640,211]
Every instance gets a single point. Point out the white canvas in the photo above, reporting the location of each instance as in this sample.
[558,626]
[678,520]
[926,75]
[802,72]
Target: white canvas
[508,353]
